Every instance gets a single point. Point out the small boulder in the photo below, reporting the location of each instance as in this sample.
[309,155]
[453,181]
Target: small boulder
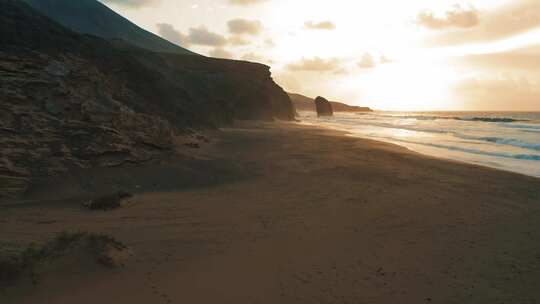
[323,106]
[110,202]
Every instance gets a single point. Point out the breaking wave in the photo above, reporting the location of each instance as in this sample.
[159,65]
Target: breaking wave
[504,140]
[482,119]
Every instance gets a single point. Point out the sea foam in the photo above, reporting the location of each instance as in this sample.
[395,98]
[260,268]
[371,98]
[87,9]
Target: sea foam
[506,140]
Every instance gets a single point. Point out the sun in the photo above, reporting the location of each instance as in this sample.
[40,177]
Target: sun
[416,85]
[415,79]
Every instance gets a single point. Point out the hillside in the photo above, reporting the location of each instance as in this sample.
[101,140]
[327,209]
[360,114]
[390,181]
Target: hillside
[92,17]
[72,101]
[303,103]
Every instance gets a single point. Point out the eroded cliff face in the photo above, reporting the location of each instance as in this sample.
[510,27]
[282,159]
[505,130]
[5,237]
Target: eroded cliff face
[72,101]
[56,115]
[243,90]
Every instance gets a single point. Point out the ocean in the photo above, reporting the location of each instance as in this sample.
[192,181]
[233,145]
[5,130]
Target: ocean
[503,140]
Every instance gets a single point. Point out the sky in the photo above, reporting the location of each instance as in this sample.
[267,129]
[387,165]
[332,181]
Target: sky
[409,55]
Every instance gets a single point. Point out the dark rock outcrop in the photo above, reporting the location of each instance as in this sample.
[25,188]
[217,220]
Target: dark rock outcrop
[323,106]
[75,101]
[303,103]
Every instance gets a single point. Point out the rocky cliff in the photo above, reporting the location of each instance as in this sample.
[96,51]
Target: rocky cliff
[74,101]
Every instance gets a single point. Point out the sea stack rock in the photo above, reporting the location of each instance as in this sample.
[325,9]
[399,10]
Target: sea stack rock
[323,106]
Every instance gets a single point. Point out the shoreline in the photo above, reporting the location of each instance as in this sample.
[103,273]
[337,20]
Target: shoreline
[296,214]
[442,158]
[487,150]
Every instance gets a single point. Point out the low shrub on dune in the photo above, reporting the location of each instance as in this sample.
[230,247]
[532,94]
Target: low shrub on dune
[82,247]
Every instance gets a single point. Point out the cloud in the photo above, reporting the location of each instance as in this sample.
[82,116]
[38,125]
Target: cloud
[195,36]
[367,62]
[133,3]
[168,32]
[506,80]
[457,17]
[221,53]
[238,41]
[244,26]
[202,36]
[315,65]
[341,71]
[252,57]
[245,2]
[524,59]
[384,60]
[323,25]
[288,81]
[269,43]
[499,94]
[518,16]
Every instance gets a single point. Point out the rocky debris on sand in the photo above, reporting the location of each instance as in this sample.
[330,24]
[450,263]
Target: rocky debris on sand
[110,202]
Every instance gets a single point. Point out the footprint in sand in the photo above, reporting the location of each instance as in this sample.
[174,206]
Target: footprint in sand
[154,287]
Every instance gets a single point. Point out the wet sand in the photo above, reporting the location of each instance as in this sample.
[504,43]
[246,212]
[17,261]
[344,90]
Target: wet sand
[294,214]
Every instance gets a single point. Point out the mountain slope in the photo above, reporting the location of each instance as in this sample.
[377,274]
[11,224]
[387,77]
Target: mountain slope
[71,102]
[303,103]
[92,17]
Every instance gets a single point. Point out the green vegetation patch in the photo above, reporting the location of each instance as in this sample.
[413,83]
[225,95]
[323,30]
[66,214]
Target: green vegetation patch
[100,248]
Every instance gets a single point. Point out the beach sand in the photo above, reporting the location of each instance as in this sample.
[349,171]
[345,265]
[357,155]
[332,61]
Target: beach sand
[284,213]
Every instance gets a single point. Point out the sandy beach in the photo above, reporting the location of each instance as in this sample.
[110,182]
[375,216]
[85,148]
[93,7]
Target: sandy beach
[284,213]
